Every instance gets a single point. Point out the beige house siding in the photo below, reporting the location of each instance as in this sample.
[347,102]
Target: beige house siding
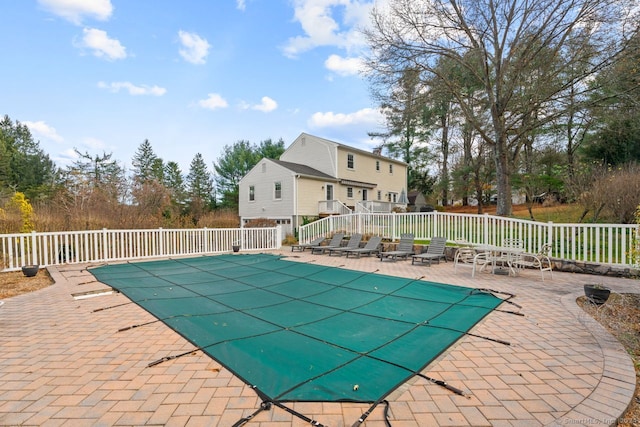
[372,169]
[310,192]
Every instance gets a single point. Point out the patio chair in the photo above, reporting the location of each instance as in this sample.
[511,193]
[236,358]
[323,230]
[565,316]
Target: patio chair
[464,257]
[404,249]
[335,242]
[471,257]
[540,261]
[482,260]
[302,246]
[434,252]
[353,243]
[371,247]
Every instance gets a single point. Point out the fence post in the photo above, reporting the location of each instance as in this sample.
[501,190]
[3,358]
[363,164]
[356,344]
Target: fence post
[485,234]
[105,254]
[394,226]
[34,248]
[278,236]
[206,240]
[550,235]
[436,224]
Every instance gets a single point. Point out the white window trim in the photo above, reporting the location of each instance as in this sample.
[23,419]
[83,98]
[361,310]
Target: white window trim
[349,196]
[275,194]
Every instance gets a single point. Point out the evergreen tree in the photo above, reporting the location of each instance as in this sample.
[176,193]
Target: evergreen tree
[236,161]
[24,166]
[174,181]
[145,164]
[200,188]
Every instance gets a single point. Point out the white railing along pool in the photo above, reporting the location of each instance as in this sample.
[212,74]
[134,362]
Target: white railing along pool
[51,248]
[597,243]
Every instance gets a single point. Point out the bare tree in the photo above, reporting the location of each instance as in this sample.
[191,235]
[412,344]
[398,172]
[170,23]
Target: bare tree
[519,50]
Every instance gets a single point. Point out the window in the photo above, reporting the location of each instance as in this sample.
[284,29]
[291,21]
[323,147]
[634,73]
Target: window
[277,190]
[350,192]
[377,165]
[379,195]
[252,193]
[350,161]
[390,168]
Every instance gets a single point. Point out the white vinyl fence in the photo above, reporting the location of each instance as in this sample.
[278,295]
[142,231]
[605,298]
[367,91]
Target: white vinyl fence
[597,243]
[51,248]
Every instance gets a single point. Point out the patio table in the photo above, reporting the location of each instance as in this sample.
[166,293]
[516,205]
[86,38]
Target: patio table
[507,255]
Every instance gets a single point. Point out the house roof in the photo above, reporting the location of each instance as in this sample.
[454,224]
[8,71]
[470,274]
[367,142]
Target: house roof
[303,170]
[358,150]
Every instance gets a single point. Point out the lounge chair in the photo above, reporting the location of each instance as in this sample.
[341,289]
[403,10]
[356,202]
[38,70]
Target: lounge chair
[404,249]
[302,246]
[353,243]
[335,242]
[434,252]
[370,248]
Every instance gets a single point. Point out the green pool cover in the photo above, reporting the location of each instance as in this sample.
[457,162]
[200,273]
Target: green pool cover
[303,332]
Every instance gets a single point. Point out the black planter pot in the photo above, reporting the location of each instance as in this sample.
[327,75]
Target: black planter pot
[235,248]
[30,270]
[597,294]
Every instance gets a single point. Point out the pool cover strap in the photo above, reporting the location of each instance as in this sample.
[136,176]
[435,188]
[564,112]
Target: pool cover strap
[300,331]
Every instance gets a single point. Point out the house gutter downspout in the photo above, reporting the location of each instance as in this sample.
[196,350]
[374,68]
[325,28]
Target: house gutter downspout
[294,220]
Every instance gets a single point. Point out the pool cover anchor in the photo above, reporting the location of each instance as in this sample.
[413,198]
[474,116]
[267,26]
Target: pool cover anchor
[264,406]
[441,383]
[175,356]
[446,385]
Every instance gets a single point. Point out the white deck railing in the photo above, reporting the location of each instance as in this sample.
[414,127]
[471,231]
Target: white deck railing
[333,207]
[597,243]
[51,248]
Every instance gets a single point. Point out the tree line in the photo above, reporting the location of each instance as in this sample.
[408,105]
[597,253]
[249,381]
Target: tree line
[96,190]
[483,98]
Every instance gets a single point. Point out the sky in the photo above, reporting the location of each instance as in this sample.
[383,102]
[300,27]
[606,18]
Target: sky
[101,76]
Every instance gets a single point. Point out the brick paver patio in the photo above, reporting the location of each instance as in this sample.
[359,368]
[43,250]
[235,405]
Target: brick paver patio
[64,363]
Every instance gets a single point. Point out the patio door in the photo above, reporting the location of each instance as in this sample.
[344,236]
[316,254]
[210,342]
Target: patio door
[329,188]
[329,197]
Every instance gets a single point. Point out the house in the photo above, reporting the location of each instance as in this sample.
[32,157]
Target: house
[417,202]
[316,177]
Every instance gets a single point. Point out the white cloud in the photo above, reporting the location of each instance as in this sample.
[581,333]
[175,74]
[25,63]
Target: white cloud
[213,102]
[76,10]
[102,45]
[133,89]
[344,66]
[43,130]
[195,48]
[93,143]
[267,105]
[322,28]
[241,4]
[331,119]
[66,157]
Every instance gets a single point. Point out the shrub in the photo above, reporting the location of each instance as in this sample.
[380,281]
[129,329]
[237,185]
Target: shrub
[261,222]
